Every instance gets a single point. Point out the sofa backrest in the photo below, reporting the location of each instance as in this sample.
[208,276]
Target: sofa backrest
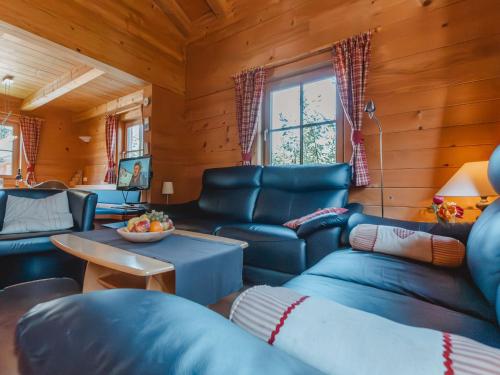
[230,192]
[483,246]
[289,192]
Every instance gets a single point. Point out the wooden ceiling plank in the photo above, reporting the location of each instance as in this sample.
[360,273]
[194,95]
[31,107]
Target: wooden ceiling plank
[69,81]
[176,15]
[221,8]
[124,102]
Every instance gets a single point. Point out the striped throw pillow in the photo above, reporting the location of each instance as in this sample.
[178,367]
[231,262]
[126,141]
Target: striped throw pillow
[421,246]
[295,223]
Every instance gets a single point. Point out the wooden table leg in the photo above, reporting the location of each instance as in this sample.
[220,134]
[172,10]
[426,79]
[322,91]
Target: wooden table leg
[164,282]
[92,274]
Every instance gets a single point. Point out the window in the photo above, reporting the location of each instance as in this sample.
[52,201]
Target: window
[301,121]
[8,150]
[134,140]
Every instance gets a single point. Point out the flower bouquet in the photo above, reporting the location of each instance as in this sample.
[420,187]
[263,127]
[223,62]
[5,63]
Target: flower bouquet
[446,212]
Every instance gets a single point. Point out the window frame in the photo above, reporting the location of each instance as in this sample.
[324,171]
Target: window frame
[16,151]
[296,80]
[125,151]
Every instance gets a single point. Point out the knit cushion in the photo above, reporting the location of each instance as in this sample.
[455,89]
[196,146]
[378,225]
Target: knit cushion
[421,246]
[295,223]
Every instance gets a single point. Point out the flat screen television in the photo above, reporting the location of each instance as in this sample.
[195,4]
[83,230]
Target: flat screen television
[134,173]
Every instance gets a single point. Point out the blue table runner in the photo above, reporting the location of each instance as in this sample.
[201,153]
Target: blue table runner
[205,270]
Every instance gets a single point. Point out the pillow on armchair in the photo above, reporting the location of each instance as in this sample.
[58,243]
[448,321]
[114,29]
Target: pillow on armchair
[24,215]
[402,242]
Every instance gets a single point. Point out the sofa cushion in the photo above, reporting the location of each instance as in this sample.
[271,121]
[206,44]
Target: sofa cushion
[270,246]
[207,224]
[289,192]
[22,243]
[230,192]
[446,288]
[405,243]
[397,307]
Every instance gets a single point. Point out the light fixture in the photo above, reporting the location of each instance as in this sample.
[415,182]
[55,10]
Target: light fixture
[8,80]
[471,180]
[370,108]
[167,189]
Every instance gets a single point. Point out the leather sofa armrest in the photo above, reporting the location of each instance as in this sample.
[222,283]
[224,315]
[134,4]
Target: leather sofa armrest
[459,231]
[179,211]
[322,222]
[82,205]
[330,220]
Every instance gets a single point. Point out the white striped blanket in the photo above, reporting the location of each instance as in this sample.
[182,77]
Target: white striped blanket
[344,341]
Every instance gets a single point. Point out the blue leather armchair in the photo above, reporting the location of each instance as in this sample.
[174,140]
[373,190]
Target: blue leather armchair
[252,203]
[31,256]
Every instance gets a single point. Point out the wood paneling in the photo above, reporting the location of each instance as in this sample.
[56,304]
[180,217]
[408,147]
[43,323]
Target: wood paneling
[40,66]
[133,36]
[435,77]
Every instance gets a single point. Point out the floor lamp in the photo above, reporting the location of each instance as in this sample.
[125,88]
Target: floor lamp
[370,109]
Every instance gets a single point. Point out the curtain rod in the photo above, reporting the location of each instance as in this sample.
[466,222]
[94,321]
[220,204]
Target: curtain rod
[291,60]
[314,52]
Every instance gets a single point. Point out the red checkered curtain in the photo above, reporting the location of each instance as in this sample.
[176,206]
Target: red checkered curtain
[351,58]
[111,134]
[30,131]
[249,87]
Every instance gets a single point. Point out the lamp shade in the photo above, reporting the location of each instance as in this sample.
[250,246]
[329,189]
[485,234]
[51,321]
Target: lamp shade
[471,180]
[167,188]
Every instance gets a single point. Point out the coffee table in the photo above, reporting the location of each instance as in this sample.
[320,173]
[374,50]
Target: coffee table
[109,267]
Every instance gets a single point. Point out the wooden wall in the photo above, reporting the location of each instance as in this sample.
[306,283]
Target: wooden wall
[434,75]
[58,150]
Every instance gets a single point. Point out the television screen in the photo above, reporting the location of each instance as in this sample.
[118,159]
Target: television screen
[134,173]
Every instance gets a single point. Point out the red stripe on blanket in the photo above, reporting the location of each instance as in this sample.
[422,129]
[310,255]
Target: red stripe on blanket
[287,312]
[447,350]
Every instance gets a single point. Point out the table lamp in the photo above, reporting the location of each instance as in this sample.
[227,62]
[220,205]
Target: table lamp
[167,189]
[471,180]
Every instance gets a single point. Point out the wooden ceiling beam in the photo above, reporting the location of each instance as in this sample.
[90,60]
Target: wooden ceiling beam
[123,103]
[176,15]
[69,81]
[221,8]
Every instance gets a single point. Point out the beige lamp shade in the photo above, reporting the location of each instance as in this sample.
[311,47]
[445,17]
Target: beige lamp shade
[471,180]
[167,188]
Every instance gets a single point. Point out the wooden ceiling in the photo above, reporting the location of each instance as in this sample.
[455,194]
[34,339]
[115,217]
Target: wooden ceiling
[48,73]
[147,39]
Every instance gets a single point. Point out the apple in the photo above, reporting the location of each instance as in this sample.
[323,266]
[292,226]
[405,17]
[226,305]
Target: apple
[141,226]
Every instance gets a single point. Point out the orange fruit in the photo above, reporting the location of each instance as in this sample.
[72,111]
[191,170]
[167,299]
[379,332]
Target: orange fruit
[156,227]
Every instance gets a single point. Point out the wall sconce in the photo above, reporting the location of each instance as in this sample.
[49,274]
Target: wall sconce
[85,138]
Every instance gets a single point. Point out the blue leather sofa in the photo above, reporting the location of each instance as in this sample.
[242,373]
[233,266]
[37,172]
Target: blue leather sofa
[31,256]
[110,329]
[251,204]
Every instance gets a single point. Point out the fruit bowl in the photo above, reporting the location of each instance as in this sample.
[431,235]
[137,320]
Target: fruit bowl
[144,236]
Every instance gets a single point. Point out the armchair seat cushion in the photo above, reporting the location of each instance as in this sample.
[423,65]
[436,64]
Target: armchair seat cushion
[397,307]
[273,247]
[450,289]
[22,243]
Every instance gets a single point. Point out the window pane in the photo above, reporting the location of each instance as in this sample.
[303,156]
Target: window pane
[319,144]
[319,101]
[134,138]
[6,138]
[5,162]
[285,147]
[285,108]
